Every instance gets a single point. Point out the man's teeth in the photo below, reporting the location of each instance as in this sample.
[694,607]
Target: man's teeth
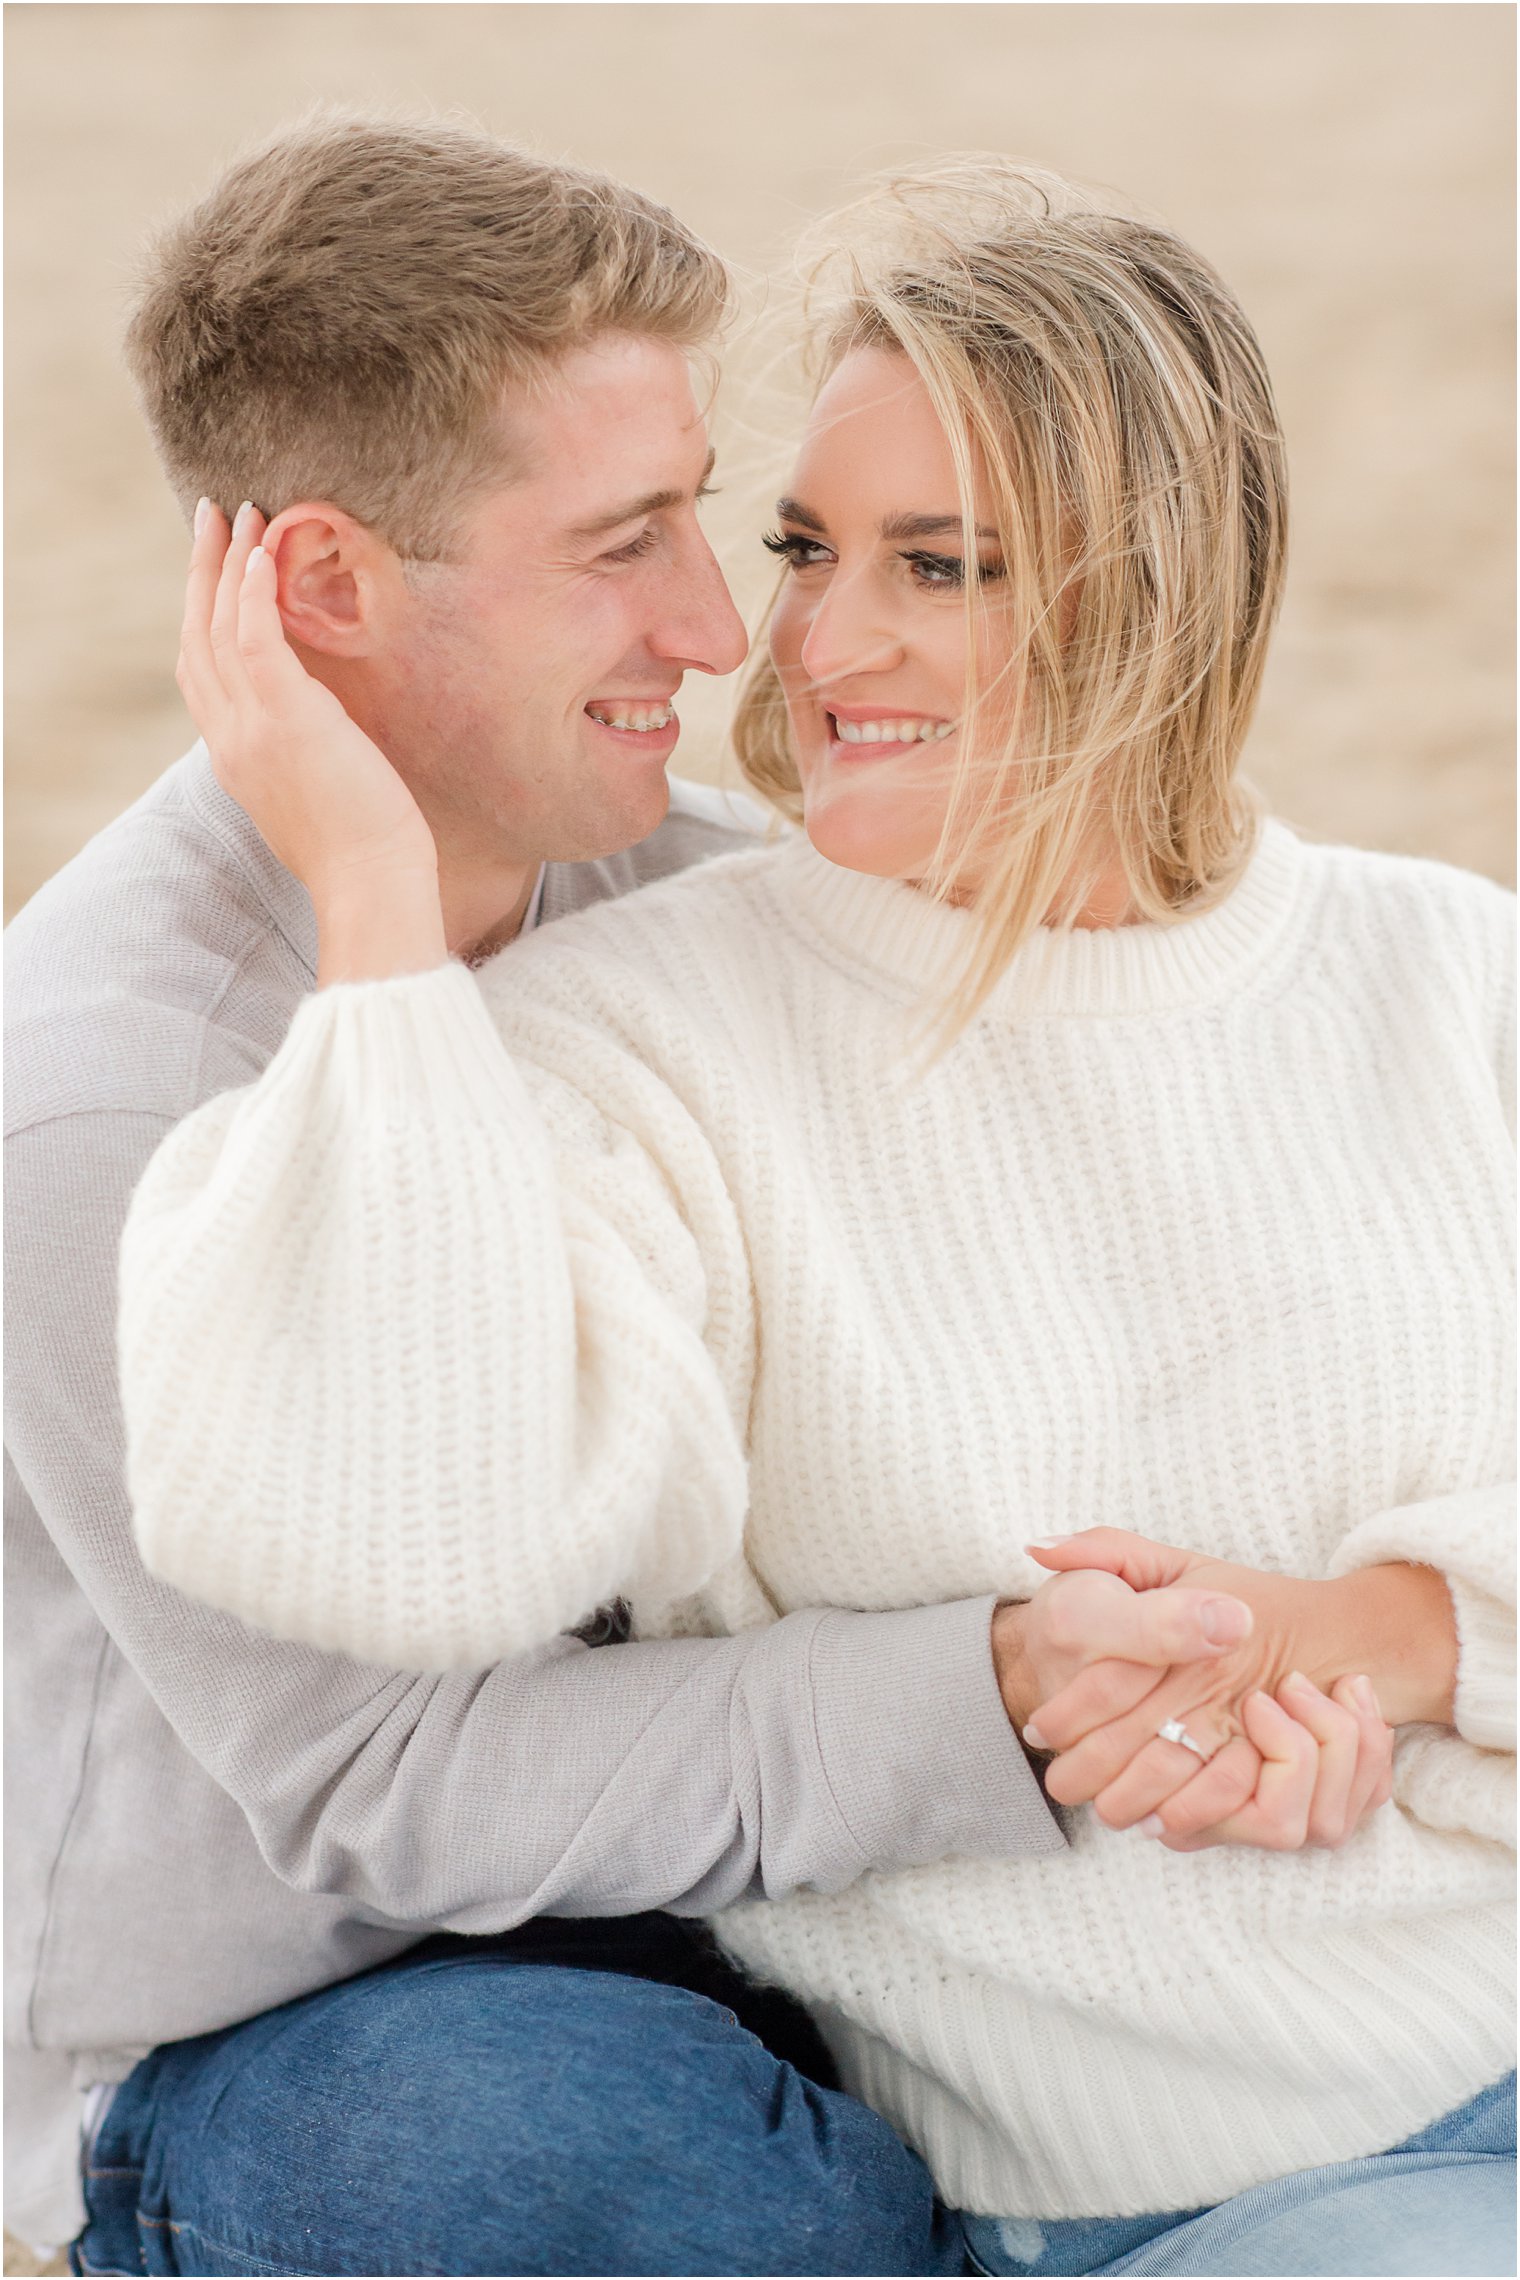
[641,717]
[891,731]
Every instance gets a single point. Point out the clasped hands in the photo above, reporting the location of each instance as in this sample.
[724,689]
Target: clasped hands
[1118,1644]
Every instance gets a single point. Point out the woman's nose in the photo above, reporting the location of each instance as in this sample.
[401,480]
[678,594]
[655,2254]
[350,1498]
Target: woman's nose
[846,635]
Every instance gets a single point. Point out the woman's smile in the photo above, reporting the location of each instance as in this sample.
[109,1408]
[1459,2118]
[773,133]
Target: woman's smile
[874,731]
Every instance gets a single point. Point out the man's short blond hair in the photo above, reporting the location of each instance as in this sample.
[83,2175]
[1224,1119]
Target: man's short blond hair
[340,318]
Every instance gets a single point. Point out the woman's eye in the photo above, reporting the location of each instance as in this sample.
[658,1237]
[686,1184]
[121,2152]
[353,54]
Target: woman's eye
[945,573]
[797,552]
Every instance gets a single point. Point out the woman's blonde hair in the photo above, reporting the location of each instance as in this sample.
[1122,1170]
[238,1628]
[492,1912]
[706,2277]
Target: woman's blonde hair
[1101,386]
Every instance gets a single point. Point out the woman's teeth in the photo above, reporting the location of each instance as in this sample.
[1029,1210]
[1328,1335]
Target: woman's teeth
[644,718]
[891,731]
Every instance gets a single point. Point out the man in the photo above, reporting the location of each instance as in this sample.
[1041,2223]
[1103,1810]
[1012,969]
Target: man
[373,1956]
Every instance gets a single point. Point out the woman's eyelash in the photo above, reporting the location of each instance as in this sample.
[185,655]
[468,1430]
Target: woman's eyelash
[944,570]
[950,569]
[939,569]
[791,546]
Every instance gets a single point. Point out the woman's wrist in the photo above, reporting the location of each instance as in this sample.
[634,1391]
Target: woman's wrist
[374,924]
[1396,1624]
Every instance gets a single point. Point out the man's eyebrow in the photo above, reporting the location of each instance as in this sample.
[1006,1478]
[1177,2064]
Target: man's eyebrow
[652,503]
[895,526]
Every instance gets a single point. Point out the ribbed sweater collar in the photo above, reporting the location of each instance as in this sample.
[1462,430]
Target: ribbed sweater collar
[920,945]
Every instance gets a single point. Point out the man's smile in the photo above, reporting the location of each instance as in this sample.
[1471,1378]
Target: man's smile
[640,717]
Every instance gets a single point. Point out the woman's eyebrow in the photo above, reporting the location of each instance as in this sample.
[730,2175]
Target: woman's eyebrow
[792,510]
[929,526]
[895,526]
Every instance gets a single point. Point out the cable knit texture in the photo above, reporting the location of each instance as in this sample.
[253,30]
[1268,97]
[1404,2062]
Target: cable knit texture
[709,1291]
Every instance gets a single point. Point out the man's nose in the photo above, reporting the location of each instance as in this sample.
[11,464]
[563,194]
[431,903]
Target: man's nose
[702,628]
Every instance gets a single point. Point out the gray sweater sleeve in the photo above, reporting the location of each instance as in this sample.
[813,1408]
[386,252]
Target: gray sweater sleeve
[573,1781]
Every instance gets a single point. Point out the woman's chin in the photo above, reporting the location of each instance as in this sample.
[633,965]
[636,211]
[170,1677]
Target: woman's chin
[856,835]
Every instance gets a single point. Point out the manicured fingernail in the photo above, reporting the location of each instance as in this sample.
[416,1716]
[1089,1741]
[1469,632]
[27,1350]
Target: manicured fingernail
[244,511]
[1225,1622]
[255,557]
[203,509]
[1366,1695]
[1044,1543]
[1034,1737]
[1151,1826]
[1298,1682]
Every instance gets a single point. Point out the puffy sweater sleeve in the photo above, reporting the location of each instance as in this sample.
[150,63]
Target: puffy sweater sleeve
[1466,1780]
[427,1351]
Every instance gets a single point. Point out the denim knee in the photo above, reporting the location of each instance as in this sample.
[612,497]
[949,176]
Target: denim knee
[480,2116]
[632,2127]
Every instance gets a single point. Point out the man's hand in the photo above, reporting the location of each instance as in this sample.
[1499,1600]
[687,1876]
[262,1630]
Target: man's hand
[1089,1618]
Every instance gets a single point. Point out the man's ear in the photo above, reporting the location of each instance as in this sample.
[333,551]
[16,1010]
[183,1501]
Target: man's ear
[336,579]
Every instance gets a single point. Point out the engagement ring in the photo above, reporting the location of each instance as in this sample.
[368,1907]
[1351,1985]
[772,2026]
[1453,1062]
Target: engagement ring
[1175,1731]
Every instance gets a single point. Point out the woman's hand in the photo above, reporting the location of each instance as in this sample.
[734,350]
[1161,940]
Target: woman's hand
[322,794]
[1317,1766]
[1288,1763]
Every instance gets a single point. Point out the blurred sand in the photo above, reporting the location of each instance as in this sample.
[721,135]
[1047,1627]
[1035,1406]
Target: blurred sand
[1348,168]
[21,2260]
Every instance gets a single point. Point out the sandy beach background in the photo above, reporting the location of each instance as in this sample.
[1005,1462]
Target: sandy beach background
[1349,168]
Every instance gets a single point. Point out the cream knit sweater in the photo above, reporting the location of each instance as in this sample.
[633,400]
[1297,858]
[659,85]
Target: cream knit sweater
[707,1293]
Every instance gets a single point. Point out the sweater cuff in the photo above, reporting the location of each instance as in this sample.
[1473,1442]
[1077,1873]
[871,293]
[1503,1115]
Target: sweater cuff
[1485,1703]
[915,1742]
[399,1046]
[1468,1537]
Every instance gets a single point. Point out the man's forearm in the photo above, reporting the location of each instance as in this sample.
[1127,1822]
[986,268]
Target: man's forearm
[680,1774]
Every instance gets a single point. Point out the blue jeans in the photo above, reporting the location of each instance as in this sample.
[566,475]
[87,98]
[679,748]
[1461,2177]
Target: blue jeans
[571,2098]
[1442,2202]
[610,2098]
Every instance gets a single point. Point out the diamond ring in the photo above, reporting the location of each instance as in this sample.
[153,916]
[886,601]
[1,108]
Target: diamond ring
[1175,1731]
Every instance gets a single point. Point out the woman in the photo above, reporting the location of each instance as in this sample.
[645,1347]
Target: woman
[1041,1134]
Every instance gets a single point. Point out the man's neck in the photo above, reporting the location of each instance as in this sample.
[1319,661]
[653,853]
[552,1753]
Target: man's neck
[483,914]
